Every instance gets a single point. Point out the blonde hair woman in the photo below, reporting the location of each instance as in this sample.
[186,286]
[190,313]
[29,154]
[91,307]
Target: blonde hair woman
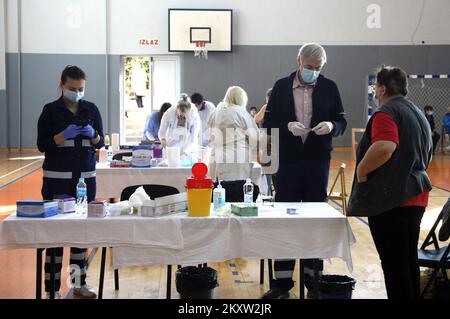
[180,126]
[234,134]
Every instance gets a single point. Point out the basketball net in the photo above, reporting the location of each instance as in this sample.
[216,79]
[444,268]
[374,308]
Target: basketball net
[200,50]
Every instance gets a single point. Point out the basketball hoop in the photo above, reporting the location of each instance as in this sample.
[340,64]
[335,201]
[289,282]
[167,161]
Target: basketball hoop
[200,50]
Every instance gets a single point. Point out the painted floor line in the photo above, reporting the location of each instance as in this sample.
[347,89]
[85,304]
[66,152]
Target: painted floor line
[20,177]
[21,168]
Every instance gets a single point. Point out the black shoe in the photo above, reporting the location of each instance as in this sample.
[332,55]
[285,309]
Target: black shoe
[276,293]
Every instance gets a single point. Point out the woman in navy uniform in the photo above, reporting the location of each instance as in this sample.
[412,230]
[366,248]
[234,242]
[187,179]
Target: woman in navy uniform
[69,131]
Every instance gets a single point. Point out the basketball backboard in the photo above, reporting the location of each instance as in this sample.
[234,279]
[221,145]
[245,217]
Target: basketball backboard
[210,27]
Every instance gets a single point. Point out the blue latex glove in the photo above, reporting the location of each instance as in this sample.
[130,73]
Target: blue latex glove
[88,131]
[71,131]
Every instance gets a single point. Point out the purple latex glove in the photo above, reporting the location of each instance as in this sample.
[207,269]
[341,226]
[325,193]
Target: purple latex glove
[88,131]
[71,131]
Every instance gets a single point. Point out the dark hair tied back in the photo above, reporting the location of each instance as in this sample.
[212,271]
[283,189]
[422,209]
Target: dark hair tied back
[72,72]
[394,79]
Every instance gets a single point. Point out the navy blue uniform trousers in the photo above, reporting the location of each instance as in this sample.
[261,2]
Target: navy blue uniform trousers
[303,181]
[50,188]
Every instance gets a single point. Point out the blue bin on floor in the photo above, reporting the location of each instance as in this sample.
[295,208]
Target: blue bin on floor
[336,287]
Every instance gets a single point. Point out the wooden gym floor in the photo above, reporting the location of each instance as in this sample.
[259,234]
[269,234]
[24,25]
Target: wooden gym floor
[20,177]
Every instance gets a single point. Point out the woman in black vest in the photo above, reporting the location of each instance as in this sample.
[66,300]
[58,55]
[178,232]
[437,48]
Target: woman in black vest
[391,185]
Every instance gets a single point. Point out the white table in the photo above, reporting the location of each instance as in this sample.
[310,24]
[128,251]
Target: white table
[111,181]
[317,231]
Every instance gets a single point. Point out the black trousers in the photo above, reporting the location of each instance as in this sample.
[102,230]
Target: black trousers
[139,101]
[396,237]
[304,181]
[436,138]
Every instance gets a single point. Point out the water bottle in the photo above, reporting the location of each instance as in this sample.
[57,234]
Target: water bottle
[218,197]
[259,200]
[248,191]
[81,206]
[109,154]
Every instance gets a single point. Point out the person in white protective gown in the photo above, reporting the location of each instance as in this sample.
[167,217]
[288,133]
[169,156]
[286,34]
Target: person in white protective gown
[234,135]
[180,126]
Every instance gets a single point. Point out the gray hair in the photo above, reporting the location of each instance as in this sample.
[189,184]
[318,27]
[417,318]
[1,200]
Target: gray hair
[312,50]
[236,96]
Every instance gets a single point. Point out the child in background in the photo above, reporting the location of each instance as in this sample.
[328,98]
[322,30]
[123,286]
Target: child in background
[430,118]
[447,128]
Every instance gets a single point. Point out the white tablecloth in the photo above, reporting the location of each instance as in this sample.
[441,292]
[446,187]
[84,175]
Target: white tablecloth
[318,231]
[111,181]
[73,230]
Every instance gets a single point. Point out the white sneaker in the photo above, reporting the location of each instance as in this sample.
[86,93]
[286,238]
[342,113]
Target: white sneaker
[85,292]
[57,295]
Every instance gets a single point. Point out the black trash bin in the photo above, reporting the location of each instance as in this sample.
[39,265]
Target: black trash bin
[196,282]
[336,287]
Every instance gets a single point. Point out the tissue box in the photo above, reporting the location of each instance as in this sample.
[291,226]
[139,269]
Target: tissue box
[96,209]
[247,210]
[66,204]
[142,156]
[36,208]
[166,205]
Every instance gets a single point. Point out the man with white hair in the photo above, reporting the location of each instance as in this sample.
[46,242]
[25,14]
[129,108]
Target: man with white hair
[307,110]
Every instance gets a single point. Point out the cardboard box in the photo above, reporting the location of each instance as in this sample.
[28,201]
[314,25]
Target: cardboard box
[247,210]
[97,209]
[36,208]
[66,204]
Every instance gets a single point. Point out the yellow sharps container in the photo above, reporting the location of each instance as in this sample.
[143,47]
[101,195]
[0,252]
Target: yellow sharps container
[199,190]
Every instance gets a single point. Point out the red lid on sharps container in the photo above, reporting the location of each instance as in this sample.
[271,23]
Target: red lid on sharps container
[199,178]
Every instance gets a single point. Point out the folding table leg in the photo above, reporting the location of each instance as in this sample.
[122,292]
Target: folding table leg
[102,274]
[270,262]
[52,274]
[261,271]
[302,278]
[116,279]
[39,273]
[316,274]
[169,281]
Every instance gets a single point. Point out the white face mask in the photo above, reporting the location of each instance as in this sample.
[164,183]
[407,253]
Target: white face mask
[377,98]
[73,96]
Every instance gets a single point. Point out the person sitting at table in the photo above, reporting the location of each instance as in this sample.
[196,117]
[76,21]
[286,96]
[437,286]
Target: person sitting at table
[231,157]
[69,131]
[153,122]
[180,126]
